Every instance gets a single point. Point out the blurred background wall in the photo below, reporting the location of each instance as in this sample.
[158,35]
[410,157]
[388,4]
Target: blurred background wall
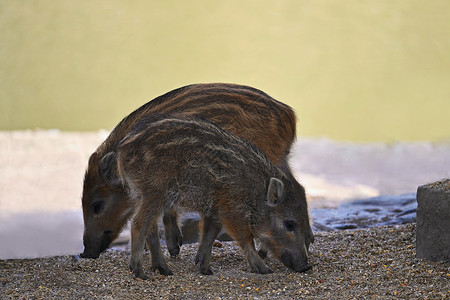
[354,70]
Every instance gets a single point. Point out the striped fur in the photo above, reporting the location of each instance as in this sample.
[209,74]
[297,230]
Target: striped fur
[241,110]
[191,163]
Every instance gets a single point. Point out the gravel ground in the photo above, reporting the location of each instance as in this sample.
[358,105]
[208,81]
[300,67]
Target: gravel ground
[375,263]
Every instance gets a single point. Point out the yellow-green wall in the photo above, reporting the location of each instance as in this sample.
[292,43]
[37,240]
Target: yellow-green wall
[358,70]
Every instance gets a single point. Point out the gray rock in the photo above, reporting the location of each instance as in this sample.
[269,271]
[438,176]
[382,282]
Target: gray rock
[433,221]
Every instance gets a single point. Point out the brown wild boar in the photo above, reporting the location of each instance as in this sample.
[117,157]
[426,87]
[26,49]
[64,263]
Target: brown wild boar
[241,110]
[166,163]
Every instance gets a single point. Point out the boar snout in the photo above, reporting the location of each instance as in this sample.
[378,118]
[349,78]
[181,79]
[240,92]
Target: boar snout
[93,247]
[298,265]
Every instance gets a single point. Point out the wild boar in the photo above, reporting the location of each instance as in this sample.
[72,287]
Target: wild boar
[167,163]
[241,110]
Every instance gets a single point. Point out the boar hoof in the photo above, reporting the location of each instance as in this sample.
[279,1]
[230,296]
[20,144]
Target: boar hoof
[303,268]
[174,243]
[138,271]
[162,270]
[206,271]
[139,274]
[174,251]
[267,271]
[262,270]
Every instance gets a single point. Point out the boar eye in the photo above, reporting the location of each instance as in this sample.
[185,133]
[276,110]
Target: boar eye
[97,207]
[290,225]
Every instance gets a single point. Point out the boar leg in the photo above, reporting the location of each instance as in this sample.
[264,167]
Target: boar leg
[174,238]
[254,260]
[138,232]
[243,235]
[211,228]
[158,261]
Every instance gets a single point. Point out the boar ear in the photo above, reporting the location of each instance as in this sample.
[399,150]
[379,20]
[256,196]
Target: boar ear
[93,159]
[275,192]
[108,168]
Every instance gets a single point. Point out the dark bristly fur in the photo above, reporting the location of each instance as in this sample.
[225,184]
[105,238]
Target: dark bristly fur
[244,111]
[168,163]
[240,110]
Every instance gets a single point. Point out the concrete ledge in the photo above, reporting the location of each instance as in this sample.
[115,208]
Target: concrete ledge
[433,221]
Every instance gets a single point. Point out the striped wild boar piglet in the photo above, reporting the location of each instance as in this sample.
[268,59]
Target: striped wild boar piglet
[169,163]
[243,111]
